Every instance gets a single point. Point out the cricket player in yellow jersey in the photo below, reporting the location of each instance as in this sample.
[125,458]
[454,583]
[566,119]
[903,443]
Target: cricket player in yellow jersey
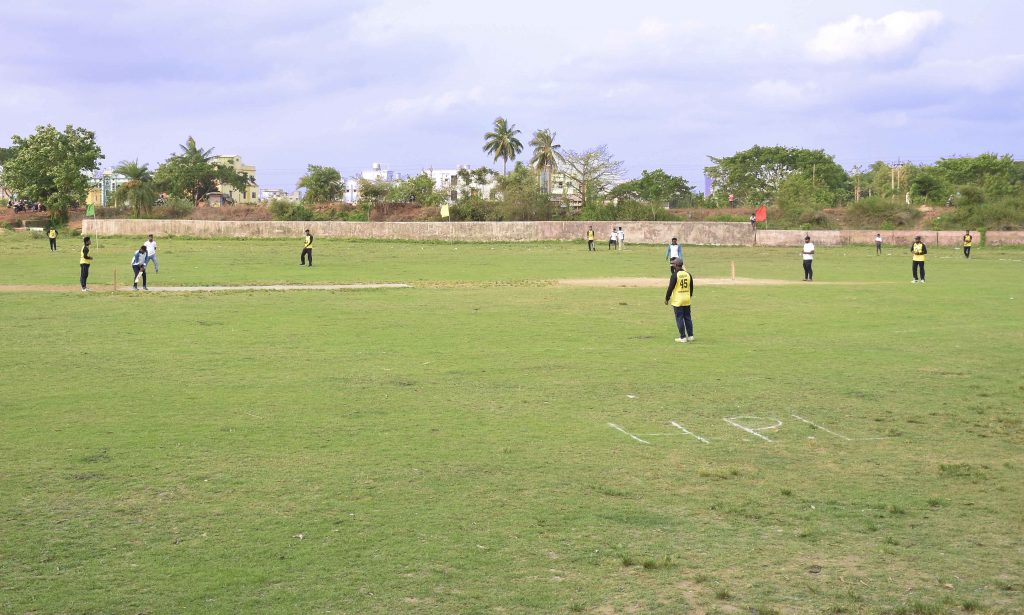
[84,261]
[679,294]
[590,240]
[307,249]
[968,240]
[918,250]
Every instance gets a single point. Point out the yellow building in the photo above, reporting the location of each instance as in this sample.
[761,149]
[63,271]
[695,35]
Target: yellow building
[251,194]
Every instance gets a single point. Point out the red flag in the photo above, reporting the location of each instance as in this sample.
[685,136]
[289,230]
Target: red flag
[761,214]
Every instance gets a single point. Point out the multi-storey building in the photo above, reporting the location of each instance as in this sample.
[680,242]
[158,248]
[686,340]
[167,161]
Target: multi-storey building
[251,194]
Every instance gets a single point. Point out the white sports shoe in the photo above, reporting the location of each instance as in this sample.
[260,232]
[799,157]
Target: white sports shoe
[690,339]
[681,340]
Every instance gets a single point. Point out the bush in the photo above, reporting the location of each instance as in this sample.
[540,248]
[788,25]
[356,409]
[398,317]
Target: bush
[881,212]
[281,209]
[1005,214]
[174,208]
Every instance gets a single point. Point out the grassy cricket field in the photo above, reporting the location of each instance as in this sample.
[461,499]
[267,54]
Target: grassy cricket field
[492,441]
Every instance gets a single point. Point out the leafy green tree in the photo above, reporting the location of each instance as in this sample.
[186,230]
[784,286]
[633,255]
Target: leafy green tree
[521,197]
[6,153]
[502,142]
[192,174]
[322,184]
[996,175]
[591,172]
[546,155]
[756,174]
[372,192]
[471,182]
[656,187]
[50,167]
[419,189]
[928,182]
[139,192]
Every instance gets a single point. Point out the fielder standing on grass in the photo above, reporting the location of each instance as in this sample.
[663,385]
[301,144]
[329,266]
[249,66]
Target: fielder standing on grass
[151,254]
[679,294]
[808,259]
[84,261]
[968,240]
[307,250]
[590,240]
[53,239]
[918,250]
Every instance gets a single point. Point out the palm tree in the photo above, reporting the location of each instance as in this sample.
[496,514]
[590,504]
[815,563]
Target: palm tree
[139,191]
[545,154]
[502,142]
[190,150]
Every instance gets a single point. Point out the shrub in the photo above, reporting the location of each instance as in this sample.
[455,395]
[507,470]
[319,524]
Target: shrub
[881,212]
[281,209]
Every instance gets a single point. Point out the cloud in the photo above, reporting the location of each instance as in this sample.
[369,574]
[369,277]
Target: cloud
[860,38]
[785,93]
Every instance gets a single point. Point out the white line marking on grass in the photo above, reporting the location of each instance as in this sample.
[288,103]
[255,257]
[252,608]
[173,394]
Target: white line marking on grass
[640,440]
[752,430]
[800,418]
[688,432]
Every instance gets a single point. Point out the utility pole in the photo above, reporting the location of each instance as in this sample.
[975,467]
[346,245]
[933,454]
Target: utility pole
[856,182]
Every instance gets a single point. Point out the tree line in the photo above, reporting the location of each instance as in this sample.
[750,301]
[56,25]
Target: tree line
[799,186]
[53,167]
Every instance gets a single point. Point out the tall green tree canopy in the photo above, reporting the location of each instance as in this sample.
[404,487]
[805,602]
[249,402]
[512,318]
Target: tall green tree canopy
[139,192]
[756,174]
[501,142]
[657,187]
[322,184]
[996,175]
[50,167]
[191,174]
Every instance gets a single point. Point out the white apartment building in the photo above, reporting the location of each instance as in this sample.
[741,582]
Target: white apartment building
[270,194]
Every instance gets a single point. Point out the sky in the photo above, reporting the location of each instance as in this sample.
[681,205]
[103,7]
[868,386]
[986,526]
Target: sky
[416,84]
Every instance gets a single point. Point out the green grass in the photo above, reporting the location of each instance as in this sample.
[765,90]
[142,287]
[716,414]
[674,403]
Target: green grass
[446,449]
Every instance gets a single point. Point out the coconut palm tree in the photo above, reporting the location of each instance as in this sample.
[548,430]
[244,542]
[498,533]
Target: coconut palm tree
[546,154]
[502,142]
[139,191]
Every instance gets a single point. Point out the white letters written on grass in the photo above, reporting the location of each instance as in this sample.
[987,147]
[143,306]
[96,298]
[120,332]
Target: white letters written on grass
[756,426]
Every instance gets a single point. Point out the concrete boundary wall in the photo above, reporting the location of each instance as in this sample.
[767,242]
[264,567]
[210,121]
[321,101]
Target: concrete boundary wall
[688,233]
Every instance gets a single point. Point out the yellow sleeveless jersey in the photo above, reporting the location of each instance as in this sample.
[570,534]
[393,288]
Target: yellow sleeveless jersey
[681,292]
[308,241]
[85,259]
[590,235]
[967,241]
[52,234]
[918,250]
